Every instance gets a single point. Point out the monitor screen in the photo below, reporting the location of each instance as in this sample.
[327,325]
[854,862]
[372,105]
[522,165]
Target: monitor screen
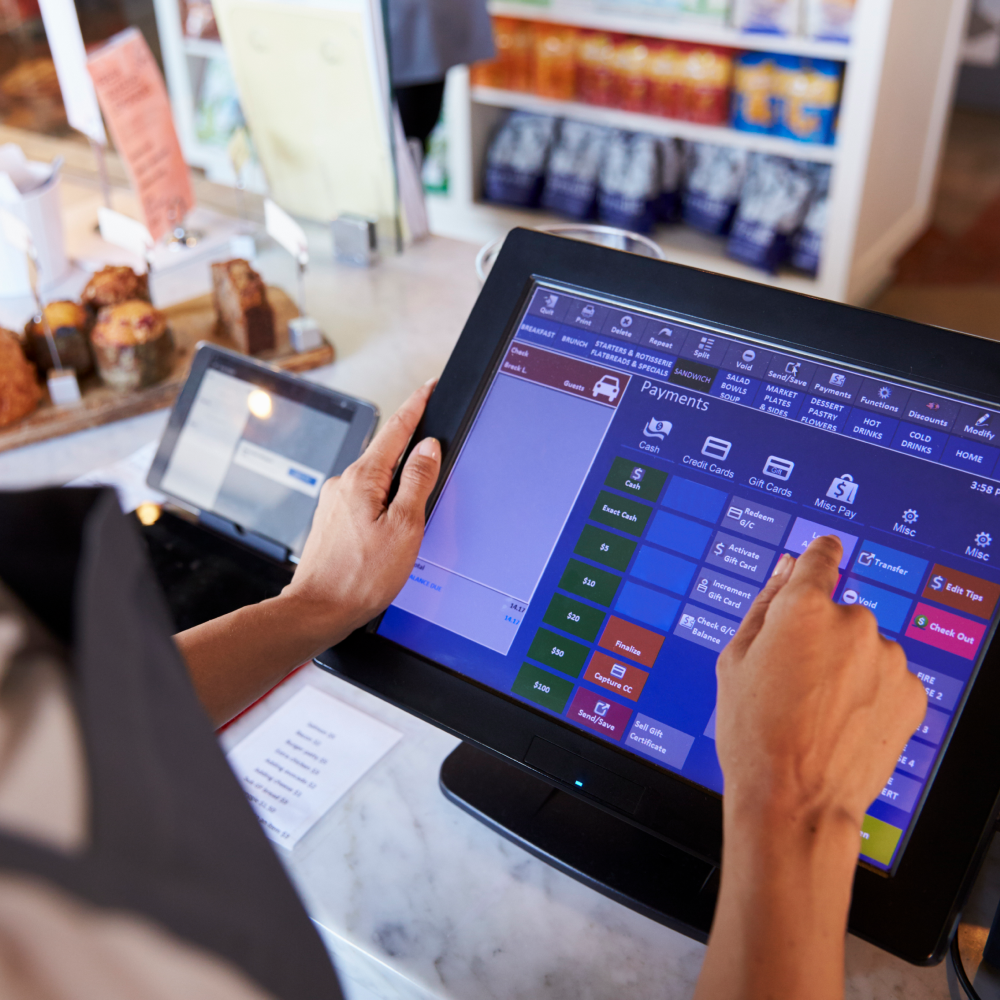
[624,492]
[253,452]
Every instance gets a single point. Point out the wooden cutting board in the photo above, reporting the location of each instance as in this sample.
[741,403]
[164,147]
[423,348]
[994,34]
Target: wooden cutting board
[190,322]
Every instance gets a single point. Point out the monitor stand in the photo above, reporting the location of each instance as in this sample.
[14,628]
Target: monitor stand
[617,858]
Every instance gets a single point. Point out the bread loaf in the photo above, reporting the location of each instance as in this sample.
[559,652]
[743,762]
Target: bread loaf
[240,299]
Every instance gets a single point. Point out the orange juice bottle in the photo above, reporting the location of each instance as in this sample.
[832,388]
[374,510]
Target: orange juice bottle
[555,61]
[708,77]
[666,82]
[631,73]
[595,58]
[514,40]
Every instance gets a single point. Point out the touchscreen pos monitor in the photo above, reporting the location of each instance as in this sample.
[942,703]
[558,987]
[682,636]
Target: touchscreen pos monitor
[629,447]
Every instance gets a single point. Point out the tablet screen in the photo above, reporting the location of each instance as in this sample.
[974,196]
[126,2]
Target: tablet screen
[252,450]
[624,492]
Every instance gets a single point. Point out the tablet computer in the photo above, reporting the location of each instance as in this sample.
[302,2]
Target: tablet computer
[248,448]
[630,445]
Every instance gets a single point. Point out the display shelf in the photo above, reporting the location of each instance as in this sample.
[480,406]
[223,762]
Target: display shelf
[680,29]
[482,222]
[206,48]
[721,135]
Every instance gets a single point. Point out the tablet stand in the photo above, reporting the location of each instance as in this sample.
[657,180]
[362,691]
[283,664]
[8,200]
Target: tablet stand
[617,858]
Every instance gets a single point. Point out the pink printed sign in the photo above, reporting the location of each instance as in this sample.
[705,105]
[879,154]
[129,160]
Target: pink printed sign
[134,100]
[952,633]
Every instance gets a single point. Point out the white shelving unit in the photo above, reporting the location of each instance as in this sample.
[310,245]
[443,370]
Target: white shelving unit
[899,79]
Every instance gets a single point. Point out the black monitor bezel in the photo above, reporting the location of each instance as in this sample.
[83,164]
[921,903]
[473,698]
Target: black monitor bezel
[911,914]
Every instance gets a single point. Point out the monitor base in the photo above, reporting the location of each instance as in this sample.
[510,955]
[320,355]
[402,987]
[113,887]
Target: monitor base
[617,858]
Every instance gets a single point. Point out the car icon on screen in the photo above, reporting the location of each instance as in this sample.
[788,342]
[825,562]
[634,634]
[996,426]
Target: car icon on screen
[607,385]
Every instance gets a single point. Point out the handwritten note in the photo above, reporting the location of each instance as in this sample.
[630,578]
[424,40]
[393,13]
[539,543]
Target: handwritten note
[301,760]
[134,100]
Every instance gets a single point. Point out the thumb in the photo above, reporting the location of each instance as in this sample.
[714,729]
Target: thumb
[416,482]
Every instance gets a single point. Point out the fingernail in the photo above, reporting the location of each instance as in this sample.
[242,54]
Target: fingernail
[428,448]
[783,566]
[430,381]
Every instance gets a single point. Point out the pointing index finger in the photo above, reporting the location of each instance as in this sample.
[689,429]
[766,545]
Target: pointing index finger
[819,565]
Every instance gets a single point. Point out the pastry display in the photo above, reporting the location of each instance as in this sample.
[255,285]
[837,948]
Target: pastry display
[31,79]
[20,392]
[112,285]
[240,299]
[69,323]
[30,97]
[132,344]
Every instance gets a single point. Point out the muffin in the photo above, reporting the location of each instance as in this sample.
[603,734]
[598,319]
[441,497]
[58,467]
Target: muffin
[240,299]
[132,345]
[19,389]
[69,323]
[112,285]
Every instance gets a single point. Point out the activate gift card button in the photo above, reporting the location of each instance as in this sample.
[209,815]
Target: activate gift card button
[962,591]
[625,639]
[946,631]
[599,713]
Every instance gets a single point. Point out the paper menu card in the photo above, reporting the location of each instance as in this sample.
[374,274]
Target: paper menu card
[136,107]
[303,758]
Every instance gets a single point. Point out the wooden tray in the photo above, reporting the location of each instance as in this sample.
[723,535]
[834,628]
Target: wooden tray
[190,322]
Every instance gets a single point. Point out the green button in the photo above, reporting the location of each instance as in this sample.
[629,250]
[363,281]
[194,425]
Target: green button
[603,547]
[596,585]
[542,687]
[620,512]
[639,480]
[555,651]
[573,617]
[879,840]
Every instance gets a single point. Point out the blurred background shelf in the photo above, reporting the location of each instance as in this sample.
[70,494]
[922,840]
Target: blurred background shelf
[648,23]
[616,118]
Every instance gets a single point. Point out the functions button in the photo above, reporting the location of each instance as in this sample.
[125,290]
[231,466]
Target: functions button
[647,606]
[639,480]
[663,337]
[736,388]
[946,631]
[884,397]
[552,305]
[827,414]
[916,759]
[597,712]
[870,427]
[972,456]
[622,678]
[746,360]
[573,617]
[832,383]
[603,547]
[754,519]
[663,569]
[596,585]
[931,411]
[624,325]
[625,639]
[890,609]
[586,315]
[962,591]
[803,532]
[942,690]
[693,375]
[901,792]
[663,743]
[934,725]
[706,628]
[978,423]
[679,534]
[555,651]
[886,565]
[778,400]
[725,593]
[879,840]
[920,441]
[620,512]
[541,687]
[789,371]
[708,348]
[740,555]
[693,498]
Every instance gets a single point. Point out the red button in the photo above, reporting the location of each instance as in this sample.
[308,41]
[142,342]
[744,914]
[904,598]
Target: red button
[625,639]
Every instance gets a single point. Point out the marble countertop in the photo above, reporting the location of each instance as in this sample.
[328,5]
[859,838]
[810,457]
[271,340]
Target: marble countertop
[415,898]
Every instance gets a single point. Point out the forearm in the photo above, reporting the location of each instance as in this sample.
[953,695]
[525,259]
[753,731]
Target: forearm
[781,916]
[235,659]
